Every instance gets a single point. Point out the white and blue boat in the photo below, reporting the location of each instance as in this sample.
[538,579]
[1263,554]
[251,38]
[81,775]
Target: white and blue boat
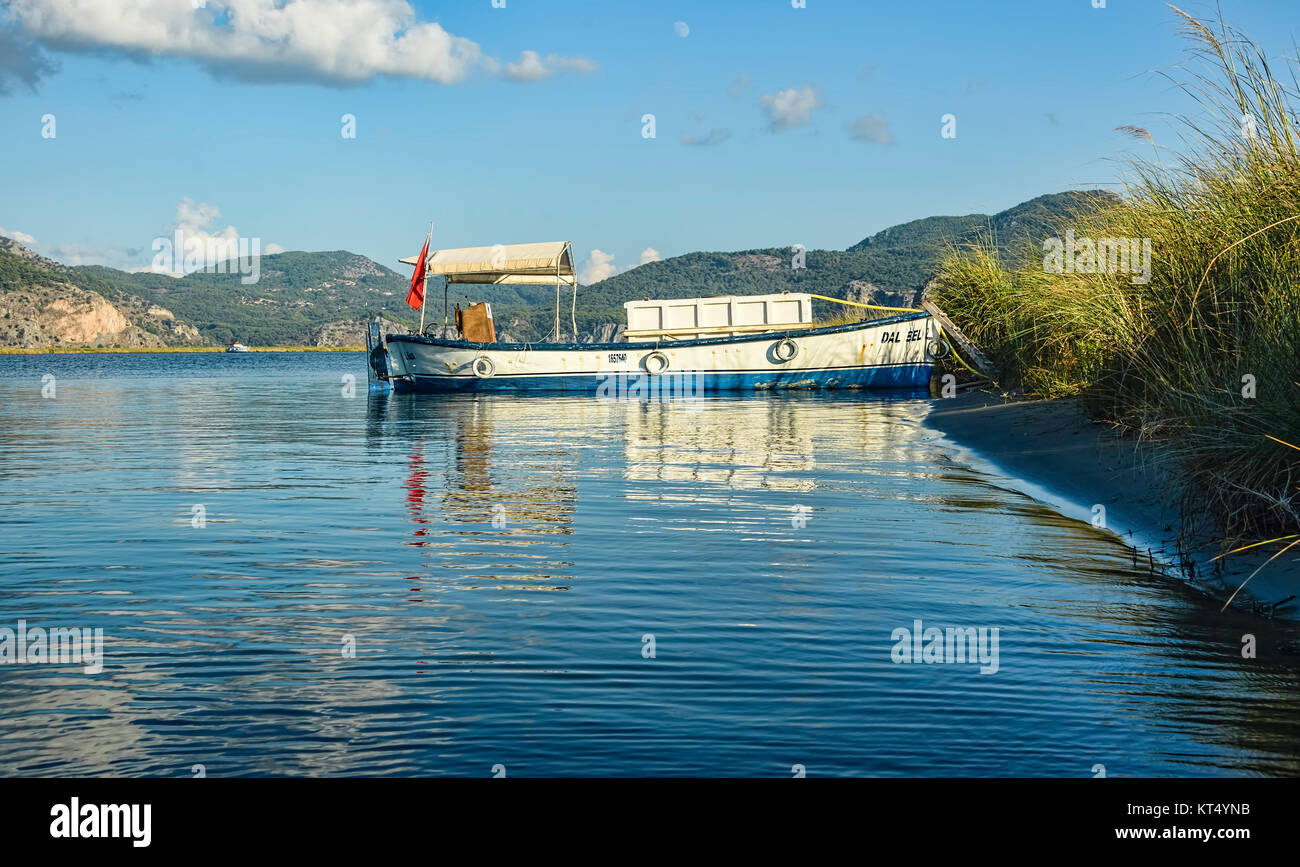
[715,344]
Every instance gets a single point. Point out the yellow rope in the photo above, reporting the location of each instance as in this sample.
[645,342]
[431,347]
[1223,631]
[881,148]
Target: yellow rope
[868,306]
[951,344]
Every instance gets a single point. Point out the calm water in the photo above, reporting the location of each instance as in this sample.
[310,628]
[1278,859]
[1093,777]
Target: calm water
[499,563]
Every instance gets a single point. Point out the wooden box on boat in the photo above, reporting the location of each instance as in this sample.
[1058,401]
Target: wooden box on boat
[475,323]
[716,316]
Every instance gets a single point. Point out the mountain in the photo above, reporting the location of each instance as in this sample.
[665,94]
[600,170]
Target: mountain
[298,299]
[1028,222]
[325,299]
[295,297]
[46,304]
[889,268]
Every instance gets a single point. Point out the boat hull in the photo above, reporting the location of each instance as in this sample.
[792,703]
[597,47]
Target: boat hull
[884,353]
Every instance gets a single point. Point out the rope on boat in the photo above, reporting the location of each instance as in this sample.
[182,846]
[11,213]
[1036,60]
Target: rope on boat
[951,343]
[868,306]
[960,360]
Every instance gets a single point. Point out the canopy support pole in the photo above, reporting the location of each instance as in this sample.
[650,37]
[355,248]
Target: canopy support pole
[424,293]
[573,311]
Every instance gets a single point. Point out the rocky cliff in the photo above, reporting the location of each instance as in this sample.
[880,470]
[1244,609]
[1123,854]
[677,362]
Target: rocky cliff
[606,332]
[41,306]
[351,332]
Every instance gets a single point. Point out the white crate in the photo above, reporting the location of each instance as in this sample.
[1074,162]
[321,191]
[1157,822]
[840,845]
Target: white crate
[717,316]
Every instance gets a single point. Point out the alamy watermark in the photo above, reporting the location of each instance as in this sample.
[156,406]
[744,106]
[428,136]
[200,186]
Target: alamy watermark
[58,645]
[679,386]
[1099,256]
[956,644]
[130,821]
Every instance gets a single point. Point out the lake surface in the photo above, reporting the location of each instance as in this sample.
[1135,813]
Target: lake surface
[291,581]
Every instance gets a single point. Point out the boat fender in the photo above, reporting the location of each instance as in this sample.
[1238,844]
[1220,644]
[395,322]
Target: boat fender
[785,349]
[483,367]
[655,363]
[939,348]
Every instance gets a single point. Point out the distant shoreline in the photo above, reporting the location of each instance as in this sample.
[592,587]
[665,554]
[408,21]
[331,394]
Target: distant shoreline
[84,350]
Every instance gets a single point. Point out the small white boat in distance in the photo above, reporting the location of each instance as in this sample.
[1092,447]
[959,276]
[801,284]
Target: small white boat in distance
[236,346]
[720,343]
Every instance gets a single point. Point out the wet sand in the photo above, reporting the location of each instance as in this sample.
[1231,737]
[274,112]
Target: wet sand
[1055,453]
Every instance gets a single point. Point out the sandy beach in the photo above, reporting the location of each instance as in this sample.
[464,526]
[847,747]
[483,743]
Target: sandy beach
[1052,451]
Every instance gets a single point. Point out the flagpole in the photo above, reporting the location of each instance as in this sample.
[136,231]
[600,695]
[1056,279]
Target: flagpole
[424,295]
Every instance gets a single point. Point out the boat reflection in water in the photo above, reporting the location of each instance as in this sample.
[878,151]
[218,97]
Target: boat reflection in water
[767,441]
[770,544]
[499,474]
[485,506]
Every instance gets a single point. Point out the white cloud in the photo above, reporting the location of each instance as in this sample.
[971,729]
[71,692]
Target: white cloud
[196,223]
[598,266]
[328,41]
[20,237]
[531,67]
[90,254]
[871,128]
[791,107]
[528,67]
[194,220]
[739,86]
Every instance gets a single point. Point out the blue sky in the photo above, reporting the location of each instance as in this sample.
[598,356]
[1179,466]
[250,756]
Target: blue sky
[498,148]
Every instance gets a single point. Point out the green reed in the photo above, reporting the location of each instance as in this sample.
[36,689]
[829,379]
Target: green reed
[1206,355]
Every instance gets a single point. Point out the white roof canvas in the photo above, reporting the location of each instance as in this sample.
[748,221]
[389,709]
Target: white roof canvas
[543,263]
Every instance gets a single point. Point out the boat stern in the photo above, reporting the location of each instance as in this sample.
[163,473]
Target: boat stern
[379,362]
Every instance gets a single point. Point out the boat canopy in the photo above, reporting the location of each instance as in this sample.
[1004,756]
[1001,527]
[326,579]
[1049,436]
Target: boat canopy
[544,263]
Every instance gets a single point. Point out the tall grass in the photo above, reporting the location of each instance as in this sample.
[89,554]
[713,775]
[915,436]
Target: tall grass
[1175,357]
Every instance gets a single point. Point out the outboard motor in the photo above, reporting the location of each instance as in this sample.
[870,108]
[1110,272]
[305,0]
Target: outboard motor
[377,369]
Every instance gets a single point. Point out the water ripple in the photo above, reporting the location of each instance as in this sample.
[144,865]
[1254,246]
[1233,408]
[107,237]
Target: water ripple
[436,585]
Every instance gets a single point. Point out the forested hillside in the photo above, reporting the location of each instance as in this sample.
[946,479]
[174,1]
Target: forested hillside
[309,298]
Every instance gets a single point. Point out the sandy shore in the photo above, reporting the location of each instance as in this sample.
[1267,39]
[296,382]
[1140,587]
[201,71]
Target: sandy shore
[1053,452]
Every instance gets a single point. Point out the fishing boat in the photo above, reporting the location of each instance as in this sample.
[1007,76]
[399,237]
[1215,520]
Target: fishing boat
[236,346]
[718,343]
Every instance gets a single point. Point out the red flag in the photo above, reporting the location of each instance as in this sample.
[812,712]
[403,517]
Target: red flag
[415,298]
